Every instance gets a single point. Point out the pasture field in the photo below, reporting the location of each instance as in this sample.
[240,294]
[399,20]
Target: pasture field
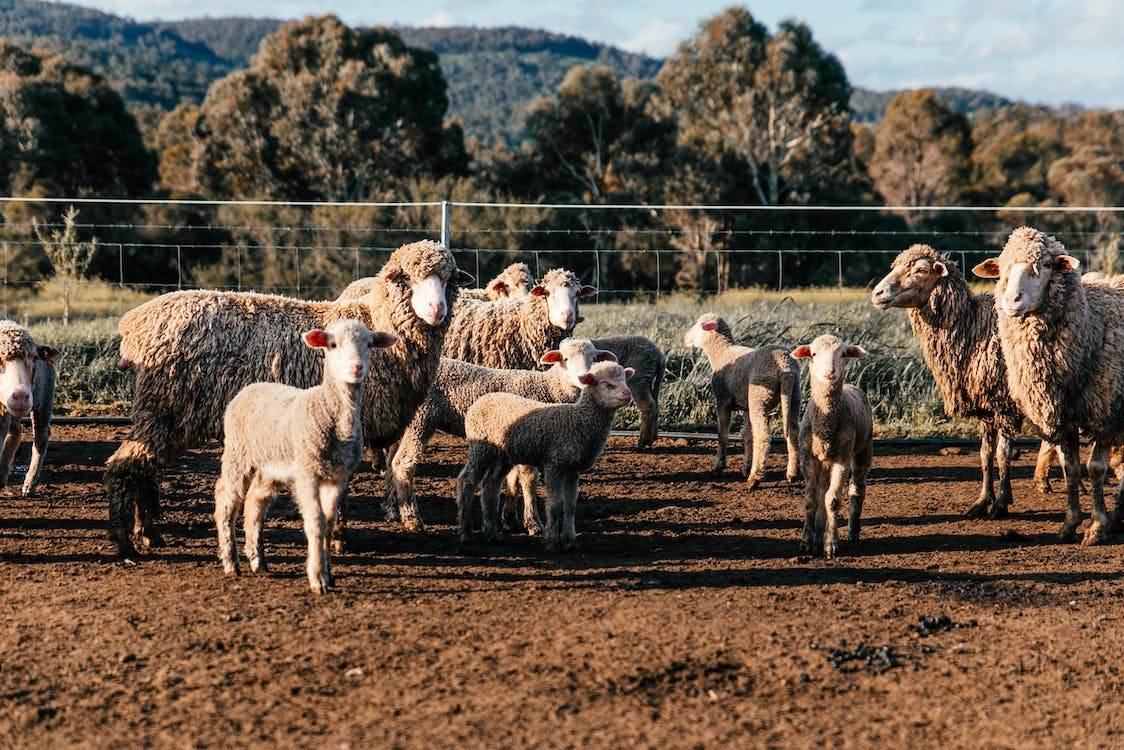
[685,620]
[901,390]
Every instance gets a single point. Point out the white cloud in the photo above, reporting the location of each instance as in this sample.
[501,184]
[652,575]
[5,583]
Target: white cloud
[443,17]
[657,38]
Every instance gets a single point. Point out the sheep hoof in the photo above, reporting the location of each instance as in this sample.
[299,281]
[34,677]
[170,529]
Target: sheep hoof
[998,511]
[718,469]
[317,586]
[1094,535]
[390,513]
[414,525]
[231,570]
[257,565]
[151,540]
[570,545]
[829,548]
[792,477]
[1043,486]
[1067,535]
[752,482]
[28,491]
[979,510]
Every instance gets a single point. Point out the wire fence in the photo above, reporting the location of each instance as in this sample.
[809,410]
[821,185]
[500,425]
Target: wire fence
[313,249]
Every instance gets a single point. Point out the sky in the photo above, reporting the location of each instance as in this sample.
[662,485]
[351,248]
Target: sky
[1042,51]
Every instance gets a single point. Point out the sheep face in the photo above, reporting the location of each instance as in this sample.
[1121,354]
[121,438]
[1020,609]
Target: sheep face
[347,346]
[910,282]
[607,382]
[514,283]
[562,291]
[1030,261]
[577,357]
[428,291]
[828,355]
[15,384]
[706,326]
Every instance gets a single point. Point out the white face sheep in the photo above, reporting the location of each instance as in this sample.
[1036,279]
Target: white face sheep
[957,333]
[756,381]
[27,386]
[310,440]
[836,440]
[562,440]
[562,300]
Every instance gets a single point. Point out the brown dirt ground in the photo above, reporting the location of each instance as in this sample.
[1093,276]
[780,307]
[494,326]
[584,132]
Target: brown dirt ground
[685,620]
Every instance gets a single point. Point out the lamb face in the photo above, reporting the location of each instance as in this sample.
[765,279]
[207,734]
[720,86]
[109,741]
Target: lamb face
[608,383]
[705,327]
[562,291]
[576,357]
[827,354]
[913,276]
[347,348]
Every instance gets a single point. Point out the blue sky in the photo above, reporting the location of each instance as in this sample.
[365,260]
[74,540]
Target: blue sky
[1048,51]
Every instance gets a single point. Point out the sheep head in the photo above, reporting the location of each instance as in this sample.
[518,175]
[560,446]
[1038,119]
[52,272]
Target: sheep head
[913,276]
[1031,265]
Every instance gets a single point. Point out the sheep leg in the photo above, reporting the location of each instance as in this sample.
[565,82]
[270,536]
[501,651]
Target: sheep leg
[229,497]
[403,461]
[306,493]
[330,495]
[1118,507]
[570,510]
[258,498]
[1042,466]
[512,501]
[987,487]
[790,415]
[724,411]
[41,438]
[521,500]
[11,445]
[762,441]
[837,474]
[490,502]
[554,484]
[747,448]
[467,481]
[1097,532]
[648,407]
[856,494]
[812,471]
[1070,448]
[1003,450]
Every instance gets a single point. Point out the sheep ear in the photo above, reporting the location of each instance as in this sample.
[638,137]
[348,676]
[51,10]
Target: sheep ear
[588,291]
[463,278]
[317,339]
[498,286]
[391,272]
[709,326]
[587,379]
[538,291]
[629,372]
[802,352]
[383,340]
[939,269]
[47,353]
[855,351]
[1066,263]
[604,356]
[551,357]
[989,269]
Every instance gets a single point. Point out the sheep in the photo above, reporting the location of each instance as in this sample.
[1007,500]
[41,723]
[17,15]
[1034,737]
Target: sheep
[308,440]
[27,387]
[512,334]
[957,334]
[836,442]
[191,351]
[514,282]
[755,381]
[645,357]
[562,440]
[458,385]
[1063,345]
[1048,456]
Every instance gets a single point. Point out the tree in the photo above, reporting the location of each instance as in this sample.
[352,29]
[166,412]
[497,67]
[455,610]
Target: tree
[921,152]
[1012,150]
[69,257]
[598,140]
[64,131]
[778,103]
[323,112]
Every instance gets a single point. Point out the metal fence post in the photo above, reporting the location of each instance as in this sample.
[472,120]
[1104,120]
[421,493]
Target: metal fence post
[446,225]
[297,254]
[120,265]
[839,259]
[179,267]
[780,271]
[657,274]
[238,262]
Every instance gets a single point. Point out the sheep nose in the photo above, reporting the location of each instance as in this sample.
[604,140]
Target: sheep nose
[438,309]
[1017,297]
[628,394]
[20,401]
[357,371]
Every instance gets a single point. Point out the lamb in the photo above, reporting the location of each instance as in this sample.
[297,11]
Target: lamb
[562,440]
[645,357]
[1063,345]
[308,440]
[458,385]
[27,386]
[514,282]
[755,381]
[836,442]
[957,334]
[190,352]
[512,334]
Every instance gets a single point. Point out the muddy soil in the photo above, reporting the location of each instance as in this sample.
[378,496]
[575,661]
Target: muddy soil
[685,620]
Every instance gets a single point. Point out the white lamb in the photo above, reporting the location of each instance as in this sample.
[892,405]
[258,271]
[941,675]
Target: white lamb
[309,440]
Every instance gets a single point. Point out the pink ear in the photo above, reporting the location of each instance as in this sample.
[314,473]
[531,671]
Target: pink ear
[855,351]
[1066,263]
[710,326]
[462,278]
[383,340]
[989,269]
[940,269]
[538,291]
[604,356]
[588,291]
[587,379]
[316,339]
[550,357]
[498,286]
[629,372]
[802,352]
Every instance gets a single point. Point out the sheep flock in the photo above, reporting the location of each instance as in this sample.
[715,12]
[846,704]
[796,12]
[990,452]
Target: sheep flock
[296,390]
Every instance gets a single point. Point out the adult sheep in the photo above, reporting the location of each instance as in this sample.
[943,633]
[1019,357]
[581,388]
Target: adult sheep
[190,352]
[956,331]
[513,282]
[1063,344]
